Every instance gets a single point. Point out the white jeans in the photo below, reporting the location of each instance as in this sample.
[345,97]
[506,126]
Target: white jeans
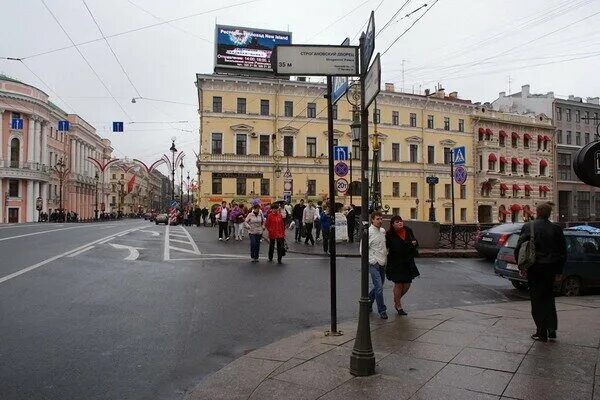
[238,230]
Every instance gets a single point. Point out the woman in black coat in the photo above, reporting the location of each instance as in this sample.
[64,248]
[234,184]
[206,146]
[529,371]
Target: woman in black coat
[401,268]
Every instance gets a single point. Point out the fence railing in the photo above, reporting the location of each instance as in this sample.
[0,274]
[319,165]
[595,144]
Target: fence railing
[463,236]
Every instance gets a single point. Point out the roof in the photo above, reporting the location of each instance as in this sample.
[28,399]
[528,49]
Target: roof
[7,78]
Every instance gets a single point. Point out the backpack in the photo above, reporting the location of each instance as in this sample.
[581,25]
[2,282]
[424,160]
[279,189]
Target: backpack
[527,252]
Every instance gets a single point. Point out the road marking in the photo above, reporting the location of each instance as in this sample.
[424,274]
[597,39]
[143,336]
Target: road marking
[133,251]
[178,241]
[80,251]
[106,240]
[154,233]
[41,233]
[174,236]
[166,254]
[49,260]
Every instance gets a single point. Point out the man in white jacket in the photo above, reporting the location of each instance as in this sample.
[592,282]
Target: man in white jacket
[308,217]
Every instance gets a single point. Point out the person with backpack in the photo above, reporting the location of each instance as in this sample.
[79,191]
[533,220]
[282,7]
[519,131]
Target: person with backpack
[275,226]
[255,223]
[541,254]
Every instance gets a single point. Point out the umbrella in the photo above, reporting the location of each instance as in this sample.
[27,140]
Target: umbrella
[584,228]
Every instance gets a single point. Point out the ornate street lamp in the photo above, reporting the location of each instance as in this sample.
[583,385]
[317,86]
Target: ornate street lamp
[96,179]
[62,171]
[188,187]
[173,150]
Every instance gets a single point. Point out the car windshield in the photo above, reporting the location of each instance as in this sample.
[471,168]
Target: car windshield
[506,228]
[512,240]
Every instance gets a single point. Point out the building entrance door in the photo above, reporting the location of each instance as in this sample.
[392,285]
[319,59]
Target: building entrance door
[484,214]
[13,215]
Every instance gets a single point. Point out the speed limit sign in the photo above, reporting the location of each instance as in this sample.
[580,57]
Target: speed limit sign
[341,185]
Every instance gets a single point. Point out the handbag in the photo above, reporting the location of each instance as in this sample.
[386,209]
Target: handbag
[527,251]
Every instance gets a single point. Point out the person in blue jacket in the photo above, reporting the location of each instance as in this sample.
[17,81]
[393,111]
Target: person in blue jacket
[326,221]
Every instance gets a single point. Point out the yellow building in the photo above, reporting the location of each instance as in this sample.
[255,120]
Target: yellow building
[134,195]
[252,130]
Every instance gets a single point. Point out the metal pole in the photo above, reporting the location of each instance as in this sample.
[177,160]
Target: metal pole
[332,190]
[96,210]
[362,361]
[173,180]
[452,231]
[351,190]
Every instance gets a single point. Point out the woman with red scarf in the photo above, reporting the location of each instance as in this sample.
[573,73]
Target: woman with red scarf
[401,268]
[276,227]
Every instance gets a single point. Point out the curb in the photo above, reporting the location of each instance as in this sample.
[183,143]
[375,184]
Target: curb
[422,254]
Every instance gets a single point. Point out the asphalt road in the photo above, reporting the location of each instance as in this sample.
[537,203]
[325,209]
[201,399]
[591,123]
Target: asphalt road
[119,310]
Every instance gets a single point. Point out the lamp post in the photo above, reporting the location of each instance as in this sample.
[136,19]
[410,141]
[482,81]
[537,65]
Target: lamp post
[375,181]
[61,170]
[96,178]
[181,184]
[355,128]
[173,150]
[188,187]
[121,191]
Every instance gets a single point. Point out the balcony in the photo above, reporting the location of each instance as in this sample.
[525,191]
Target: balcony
[24,170]
[487,144]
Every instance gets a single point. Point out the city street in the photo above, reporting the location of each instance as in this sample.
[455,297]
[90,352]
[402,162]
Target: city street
[131,310]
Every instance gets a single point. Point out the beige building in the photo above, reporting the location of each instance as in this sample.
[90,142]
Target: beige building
[252,130]
[132,190]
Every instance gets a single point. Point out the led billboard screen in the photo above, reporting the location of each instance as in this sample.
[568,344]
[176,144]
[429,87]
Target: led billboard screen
[246,48]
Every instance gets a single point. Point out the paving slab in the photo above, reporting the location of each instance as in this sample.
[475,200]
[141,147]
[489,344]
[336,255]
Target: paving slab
[597,392]
[376,387]
[441,392]
[398,333]
[429,351]
[276,389]
[409,369]
[316,375]
[479,326]
[448,338]
[489,359]
[572,369]
[501,343]
[563,350]
[289,364]
[528,387]
[472,378]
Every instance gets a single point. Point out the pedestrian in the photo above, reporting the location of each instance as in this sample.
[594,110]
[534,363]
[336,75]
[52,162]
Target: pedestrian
[255,222]
[276,228]
[351,222]
[245,212]
[401,267]
[288,213]
[308,217]
[326,221]
[237,216]
[377,261]
[318,221]
[547,268]
[297,214]
[222,215]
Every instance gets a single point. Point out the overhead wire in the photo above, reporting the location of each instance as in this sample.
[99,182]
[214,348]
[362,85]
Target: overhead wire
[338,20]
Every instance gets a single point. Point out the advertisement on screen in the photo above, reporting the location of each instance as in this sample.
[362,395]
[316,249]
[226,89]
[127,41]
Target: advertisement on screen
[246,48]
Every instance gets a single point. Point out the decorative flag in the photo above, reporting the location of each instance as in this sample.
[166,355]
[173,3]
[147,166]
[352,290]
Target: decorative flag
[131,184]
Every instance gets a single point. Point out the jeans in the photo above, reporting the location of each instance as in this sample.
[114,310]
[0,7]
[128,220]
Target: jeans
[237,230]
[351,226]
[223,230]
[309,235]
[298,235]
[326,240]
[279,248]
[317,228]
[541,293]
[255,245]
[377,278]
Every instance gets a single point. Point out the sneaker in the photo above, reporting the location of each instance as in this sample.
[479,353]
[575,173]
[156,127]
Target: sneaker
[552,335]
[220,239]
[535,336]
[383,315]
[401,312]
[228,237]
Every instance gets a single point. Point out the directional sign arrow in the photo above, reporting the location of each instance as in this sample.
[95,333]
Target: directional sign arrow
[133,251]
[152,232]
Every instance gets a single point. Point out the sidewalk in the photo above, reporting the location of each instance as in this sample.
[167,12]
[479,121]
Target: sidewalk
[475,352]
[345,249]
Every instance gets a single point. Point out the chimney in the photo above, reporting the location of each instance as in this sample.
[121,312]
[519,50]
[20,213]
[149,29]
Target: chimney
[502,94]
[525,90]
[389,87]
[593,100]
[441,93]
[426,92]
[453,95]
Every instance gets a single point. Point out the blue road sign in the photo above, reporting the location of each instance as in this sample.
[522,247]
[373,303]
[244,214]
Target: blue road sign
[368,45]
[432,180]
[63,126]
[16,123]
[340,153]
[117,127]
[339,85]
[460,175]
[287,197]
[341,169]
[174,204]
[458,155]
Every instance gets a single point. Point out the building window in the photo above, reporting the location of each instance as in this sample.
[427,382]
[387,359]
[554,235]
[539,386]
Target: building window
[15,152]
[569,137]
[288,108]
[587,138]
[217,143]
[217,104]
[448,191]
[240,186]
[13,188]
[336,142]
[413,213]
[448,214]
[264,107]
[377,116]
[241,144]
[525,168]
[430,155]
[265,187]
[414,189]
[491,165]
[311,189]
[568,111]
[430,122]
[514,141]
[288,146]
[446,123]
[396,189]
[241,105]
[559,138]
[463,191]
[311,110]
[217,185]
[578,138]
[461,125]
[114,176]
[513,167]
[502,141]
[395,210]
[413,120]
[463,215]
[577,116]
[526,141]
[543,165]
[396,152]
[311,147]
[114,200]
[395,118]
[447,155]
[527,190]
[414,150]
[334,112]
[587,117]
[356,149]
[583,205]
[558,113]
[502,167]
[264,145]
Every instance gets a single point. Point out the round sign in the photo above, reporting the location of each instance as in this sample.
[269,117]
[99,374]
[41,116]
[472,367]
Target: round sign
[341,185]
[287,186]
[460,175]
[587,164]
[341,169]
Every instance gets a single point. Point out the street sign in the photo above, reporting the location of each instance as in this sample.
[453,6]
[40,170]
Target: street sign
[341,185]
[287,197]
[287,186]
[368,45]
[373,81]
[174,204]
[341,169]
[432,180]
[317,60]
[287,174]
[458,155]
[63,126]
[16,123]
[340,153]
[339,83]
[117,127]
[460,175]
[38,204]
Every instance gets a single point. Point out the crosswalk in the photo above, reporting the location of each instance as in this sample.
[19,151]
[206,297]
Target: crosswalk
[178,243]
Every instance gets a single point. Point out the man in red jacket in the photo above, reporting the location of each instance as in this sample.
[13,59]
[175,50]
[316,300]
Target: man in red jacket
[276,227]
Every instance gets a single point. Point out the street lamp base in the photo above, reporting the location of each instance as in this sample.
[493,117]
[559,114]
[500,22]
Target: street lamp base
[362,360]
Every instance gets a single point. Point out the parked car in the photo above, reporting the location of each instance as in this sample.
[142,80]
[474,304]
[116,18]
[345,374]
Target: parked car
[581,271]
[161,219]
[489,242]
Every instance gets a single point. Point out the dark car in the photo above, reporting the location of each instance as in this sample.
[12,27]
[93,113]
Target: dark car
[489,242]
[582,270]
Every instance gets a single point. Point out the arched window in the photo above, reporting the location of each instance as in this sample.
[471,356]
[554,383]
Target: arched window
[15,147]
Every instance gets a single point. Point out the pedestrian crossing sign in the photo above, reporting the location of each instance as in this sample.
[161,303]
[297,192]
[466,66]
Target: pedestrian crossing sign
[458,155]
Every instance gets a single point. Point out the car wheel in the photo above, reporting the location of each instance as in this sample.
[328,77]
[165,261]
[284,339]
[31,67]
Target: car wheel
[156,222]
[571,286]
[520,286]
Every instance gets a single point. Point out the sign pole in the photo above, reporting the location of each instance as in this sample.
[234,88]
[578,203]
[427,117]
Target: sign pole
[452,231]
[332,191]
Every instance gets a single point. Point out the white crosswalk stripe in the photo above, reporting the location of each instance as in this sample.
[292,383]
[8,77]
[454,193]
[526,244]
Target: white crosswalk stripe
[178,240]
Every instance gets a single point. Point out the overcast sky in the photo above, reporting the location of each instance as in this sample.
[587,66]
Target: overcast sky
[475,47]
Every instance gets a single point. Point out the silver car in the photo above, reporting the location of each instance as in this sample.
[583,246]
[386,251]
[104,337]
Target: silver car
[161,219]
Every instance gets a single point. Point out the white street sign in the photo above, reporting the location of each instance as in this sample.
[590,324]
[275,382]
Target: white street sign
[373,81]
[317,60]
[341,185]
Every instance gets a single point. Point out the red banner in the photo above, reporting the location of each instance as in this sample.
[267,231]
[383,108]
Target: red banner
[131,184]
